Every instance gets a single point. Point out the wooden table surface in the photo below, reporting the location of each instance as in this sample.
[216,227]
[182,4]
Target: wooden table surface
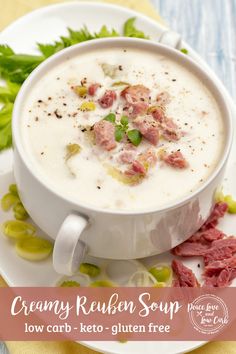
[209,26]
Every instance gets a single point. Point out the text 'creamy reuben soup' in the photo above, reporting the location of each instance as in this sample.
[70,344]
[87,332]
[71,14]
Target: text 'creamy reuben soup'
[122,129]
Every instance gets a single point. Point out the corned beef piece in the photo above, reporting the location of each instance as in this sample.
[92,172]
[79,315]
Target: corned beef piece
[185,276]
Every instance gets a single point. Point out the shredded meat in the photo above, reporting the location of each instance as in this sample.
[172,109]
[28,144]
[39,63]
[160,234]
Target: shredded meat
[220,273]
[107,100]
[175,159]
[163,98]
[136,99]
[93,89]
[218,212]
[216,249]
[148,128]
[105,135]
[185,277]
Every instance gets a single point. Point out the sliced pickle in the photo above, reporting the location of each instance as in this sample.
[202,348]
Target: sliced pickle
[18,230]
[34,248]
[90,269]
[8,201]
[162,273]
[72,150]
[13,189]
[81,91]
[122,177]
[19,212]
[102,284]
[70,284]
[120,83]
[142,278]
[88,106]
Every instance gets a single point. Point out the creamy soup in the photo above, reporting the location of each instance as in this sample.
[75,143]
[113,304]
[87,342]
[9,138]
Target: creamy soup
[122,129]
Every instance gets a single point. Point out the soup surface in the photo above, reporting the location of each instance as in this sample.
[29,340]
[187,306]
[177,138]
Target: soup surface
[122,129]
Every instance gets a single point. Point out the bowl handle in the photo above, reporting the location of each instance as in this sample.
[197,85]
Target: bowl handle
[171,38]
[69,251]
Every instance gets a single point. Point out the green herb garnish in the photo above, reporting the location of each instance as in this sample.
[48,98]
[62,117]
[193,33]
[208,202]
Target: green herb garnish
[15,68]
[8,93]
[119,133]
[5,125]
[121,128]
[131,31]
[111,117]
[134,136]
[124,120]
[184,50]
[104,32]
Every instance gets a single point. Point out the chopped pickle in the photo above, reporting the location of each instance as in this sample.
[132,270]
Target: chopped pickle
[8,201]
[19,212]
[159,285]
[161,273]
[69,284]
[81,91]
[220,197]
[72,150]
[18,230]
[88,106]
[142,278]
[90,269]
[109,70]
[231,204]
[161,153]
[13,189]
[102,284]
[34,248]
[122,177]
[120,83]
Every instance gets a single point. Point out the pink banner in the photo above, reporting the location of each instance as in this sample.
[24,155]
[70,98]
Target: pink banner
[117,314]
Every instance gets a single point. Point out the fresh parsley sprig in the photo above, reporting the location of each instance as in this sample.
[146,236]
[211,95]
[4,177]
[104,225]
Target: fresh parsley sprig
[5,126]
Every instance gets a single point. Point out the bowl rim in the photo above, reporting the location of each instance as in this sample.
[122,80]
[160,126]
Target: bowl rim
[119,42]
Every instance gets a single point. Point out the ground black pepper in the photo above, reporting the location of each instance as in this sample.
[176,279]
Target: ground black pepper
[58,115]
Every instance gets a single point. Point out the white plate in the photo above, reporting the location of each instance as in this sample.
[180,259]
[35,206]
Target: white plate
[45,25]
